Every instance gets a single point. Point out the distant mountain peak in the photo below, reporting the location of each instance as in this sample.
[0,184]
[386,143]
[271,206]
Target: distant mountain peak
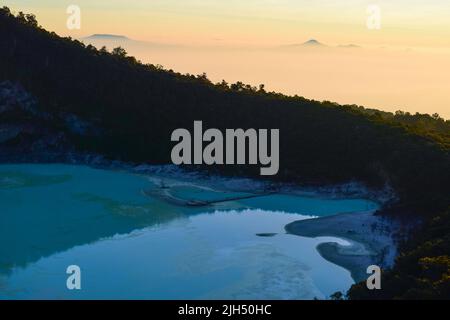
[105,36]
[312,42]
[351,45]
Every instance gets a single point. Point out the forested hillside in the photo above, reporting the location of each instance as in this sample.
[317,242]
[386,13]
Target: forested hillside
[136,106]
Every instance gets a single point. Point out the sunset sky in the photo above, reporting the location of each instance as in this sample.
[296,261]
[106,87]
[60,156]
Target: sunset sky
[403,65]
[404,22]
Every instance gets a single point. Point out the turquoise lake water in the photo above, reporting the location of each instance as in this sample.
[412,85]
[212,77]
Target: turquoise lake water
[131,242]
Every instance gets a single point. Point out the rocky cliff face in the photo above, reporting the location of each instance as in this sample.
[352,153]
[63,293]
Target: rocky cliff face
[28,134]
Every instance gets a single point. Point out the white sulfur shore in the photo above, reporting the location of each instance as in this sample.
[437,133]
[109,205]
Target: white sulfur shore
[371,240]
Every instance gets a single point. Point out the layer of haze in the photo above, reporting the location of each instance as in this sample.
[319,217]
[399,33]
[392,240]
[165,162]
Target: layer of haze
[404,65]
